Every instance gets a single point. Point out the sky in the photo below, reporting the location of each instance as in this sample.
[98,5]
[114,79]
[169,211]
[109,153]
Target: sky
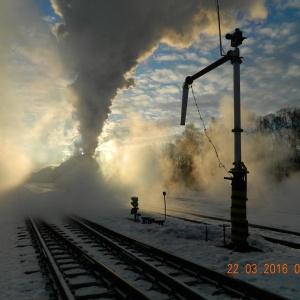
[73,72]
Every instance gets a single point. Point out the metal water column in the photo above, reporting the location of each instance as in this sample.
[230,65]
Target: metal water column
[238,212]
[239,223]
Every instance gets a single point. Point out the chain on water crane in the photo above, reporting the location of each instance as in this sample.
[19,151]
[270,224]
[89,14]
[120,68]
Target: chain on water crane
[221,165]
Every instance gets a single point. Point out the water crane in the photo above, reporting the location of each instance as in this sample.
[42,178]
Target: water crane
[239,223]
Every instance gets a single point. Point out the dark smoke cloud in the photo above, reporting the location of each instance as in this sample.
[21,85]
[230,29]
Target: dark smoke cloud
[104,40]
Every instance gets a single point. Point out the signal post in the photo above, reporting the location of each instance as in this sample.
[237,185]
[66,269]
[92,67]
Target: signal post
[135,208]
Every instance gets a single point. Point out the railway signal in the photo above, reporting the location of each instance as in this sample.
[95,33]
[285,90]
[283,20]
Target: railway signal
[135,208]
[239,223]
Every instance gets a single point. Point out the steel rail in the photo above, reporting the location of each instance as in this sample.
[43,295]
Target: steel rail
[166,281]
[226,282]
[115,283]
[270,239]
[250,225]
[57,275]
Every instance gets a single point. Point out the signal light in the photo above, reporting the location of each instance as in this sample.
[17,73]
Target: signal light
[236,38]
[134,202]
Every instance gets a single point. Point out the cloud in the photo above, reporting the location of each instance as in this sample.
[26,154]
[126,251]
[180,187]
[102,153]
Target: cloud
[170,89]
[169,57]
[257,10]
[279,31]
[269,73]
[284,4]
[164,76]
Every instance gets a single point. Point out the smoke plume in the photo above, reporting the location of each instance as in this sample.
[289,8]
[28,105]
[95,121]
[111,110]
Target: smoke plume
[103,41]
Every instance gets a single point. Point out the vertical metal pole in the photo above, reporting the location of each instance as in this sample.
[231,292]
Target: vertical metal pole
[237,109]
[164,193]
[239,223]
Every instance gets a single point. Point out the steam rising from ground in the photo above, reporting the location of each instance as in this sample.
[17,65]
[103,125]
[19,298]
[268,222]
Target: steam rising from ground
[15,167]
[260,155]
[84,189]
[142,170]
[134,166]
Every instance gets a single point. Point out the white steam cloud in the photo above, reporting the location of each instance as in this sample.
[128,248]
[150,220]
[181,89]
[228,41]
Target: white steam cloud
[34,114]
[103,41]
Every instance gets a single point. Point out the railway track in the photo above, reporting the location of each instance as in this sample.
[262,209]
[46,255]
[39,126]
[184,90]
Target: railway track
[74,272]
[84,259]
[265,228]
[250,225]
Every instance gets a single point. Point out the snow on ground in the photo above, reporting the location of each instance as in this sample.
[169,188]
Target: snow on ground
[21,278]
[20,274]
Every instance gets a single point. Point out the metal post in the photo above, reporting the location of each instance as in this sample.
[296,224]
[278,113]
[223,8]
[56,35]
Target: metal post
[224,226]
[239,223]
[236,61]
[206,231]
[164,193]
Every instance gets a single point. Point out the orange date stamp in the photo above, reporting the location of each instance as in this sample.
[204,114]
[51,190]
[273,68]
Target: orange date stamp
[267,268]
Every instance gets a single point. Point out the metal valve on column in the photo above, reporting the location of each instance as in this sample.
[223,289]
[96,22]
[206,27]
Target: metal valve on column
[236,38]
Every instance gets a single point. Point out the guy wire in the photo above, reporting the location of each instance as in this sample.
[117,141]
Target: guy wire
[221,165]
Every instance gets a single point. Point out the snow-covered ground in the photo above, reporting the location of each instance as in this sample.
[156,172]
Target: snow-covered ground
[20,277]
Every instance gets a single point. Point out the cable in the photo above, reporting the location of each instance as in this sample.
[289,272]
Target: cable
[221,165]
[222,52]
